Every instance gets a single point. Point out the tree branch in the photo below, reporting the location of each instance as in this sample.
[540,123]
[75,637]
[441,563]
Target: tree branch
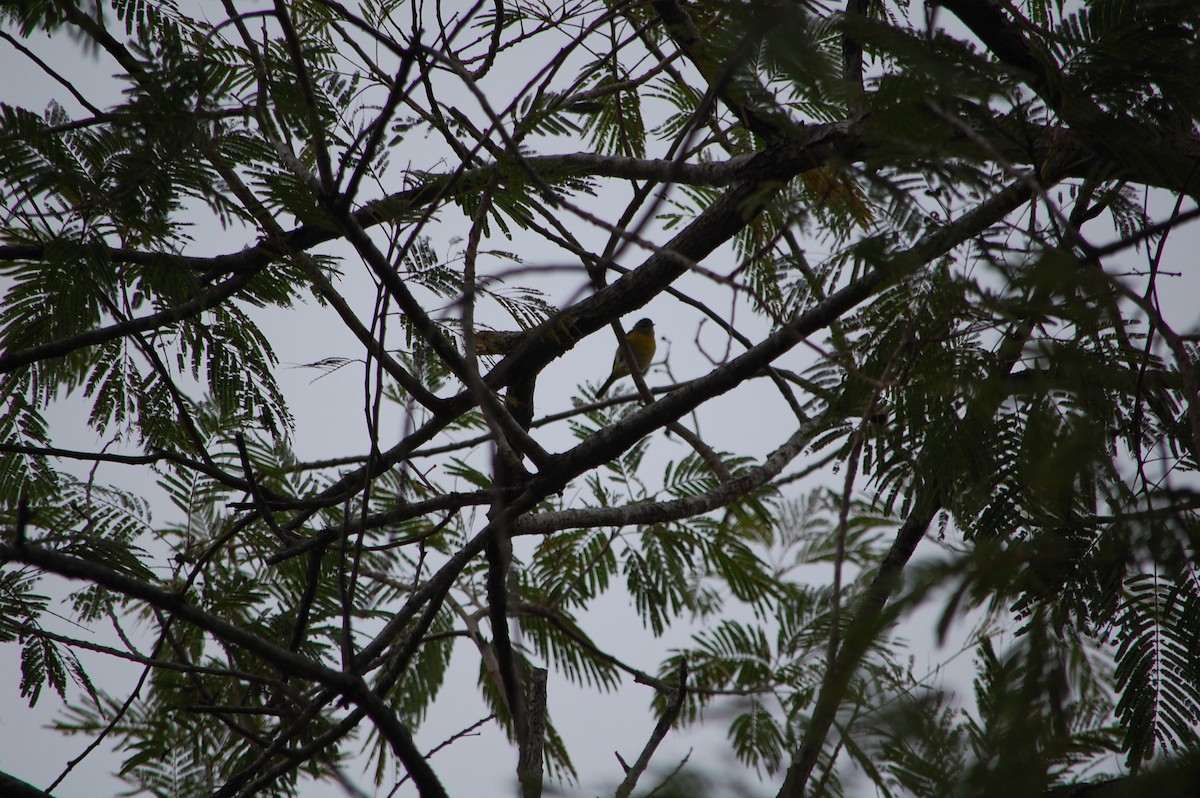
[869,619]
[1154,155]
[678,696]
[12,787]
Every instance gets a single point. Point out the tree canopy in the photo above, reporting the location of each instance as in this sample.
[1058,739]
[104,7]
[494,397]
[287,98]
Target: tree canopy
[924,373]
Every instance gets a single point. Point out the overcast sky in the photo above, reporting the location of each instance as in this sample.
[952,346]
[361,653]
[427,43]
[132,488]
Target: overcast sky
[593,726]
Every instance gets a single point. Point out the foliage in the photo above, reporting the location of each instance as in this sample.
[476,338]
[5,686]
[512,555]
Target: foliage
[916,284]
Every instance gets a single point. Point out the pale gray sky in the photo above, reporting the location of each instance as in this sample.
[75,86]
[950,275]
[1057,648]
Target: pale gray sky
[330,423]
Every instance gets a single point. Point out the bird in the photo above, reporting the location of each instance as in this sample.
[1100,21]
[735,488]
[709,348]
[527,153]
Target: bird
[641,344]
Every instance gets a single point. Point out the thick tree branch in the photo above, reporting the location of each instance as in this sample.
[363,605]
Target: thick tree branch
[210,298]
[86,570]
[1152,155]
[658,512]
[12,787]
[868,621]
[608,442]
[286,661]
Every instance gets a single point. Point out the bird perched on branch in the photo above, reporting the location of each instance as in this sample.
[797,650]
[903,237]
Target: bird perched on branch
[641,344]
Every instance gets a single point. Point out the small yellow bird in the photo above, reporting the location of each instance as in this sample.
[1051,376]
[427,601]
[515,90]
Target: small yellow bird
[642,344]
